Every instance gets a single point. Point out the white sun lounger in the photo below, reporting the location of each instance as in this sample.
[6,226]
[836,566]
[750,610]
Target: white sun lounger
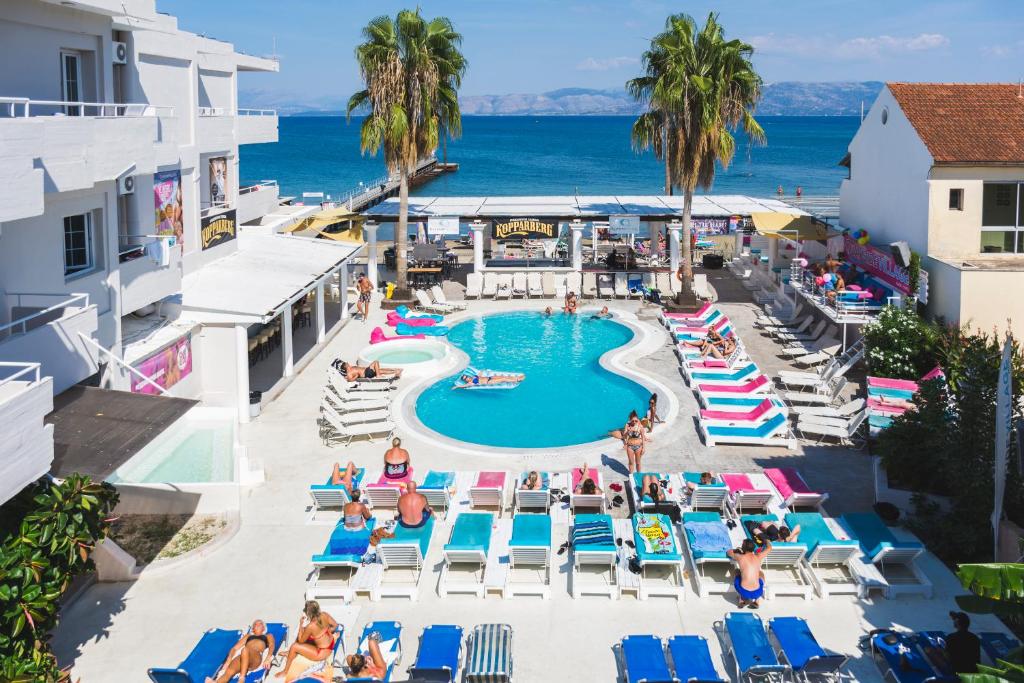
[533,284]
[547,285]
[423,303]
[488,490]
[589,286]
[441,300]
[816,429]
[474,286]
[621,286]
[574,283]
[701,287]
[587,501]
[352,417]
[560,285]
[337,430]
[816,331]
[844,411]
[664,283]
[466,554]
[490,284]
[706,560]
[600,554]
[784,565]
[402,556]
[532,499]
[504,286]
[606,286]
[826,394]
[520,287]
[799,327]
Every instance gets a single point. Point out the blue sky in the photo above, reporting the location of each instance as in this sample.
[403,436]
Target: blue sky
[530,46]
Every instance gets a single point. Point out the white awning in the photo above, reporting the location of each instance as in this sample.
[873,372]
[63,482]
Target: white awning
[267,273]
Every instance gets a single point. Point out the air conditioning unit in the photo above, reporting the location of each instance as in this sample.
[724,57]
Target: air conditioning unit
[126,185]
[119,52]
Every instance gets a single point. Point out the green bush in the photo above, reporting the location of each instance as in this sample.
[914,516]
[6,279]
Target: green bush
[900,344]
[46,534]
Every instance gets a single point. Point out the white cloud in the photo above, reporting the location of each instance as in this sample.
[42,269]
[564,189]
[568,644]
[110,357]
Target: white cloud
[606,63]
[1002,50]
[852,48]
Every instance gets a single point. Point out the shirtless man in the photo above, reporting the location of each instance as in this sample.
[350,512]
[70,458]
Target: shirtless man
[365,289]
[254,650]
[749,582]
[603,313]
[413,509]
[371,371]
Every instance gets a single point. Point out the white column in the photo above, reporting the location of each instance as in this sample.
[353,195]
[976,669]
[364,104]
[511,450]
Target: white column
[653,230]
[242,372]
[478,245]
[287,359]
[773,251]
[675,230]
[576,229]
[343,289]
[318,312]
[370,228]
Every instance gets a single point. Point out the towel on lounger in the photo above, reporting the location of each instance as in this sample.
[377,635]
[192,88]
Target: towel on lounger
[593,533]
[346,542]
[709,536]
[306,668]
[656,535]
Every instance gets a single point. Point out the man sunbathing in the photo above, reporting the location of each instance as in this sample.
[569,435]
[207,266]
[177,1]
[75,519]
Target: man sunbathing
[372,371]
[749,581]
[413,509]
[253,651]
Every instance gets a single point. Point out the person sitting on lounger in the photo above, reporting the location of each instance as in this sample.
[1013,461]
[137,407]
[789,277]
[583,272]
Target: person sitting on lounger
[315,640]
[253,651]
[397,464]
[355,513]
[532,482]
[603,313]
[570,303]
[413,509]
[706,479]
[749,581]
[372,371]
[346,477]
[587,486]
[650,485]
[373,667]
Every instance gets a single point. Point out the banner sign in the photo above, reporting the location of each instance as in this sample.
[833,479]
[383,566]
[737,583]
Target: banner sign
[167,204]
[1004,423]
[218,229]
[529,228]
[711,226]
[877,263]
[165,368]
[218,179]
[442,225]
[624,225]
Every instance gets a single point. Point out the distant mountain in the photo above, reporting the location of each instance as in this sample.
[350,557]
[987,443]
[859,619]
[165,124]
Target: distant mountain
[789,98]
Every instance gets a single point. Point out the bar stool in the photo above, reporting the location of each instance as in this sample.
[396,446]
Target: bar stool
[253,349]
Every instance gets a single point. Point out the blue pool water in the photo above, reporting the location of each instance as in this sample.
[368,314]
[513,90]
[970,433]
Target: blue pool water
[567,398]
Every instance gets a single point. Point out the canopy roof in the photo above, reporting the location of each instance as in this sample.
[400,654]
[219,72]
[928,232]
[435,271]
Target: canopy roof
[648,207]
[790,226]
[317,224]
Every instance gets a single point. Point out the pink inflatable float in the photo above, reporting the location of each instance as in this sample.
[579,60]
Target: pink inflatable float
[394,319]
[377,336]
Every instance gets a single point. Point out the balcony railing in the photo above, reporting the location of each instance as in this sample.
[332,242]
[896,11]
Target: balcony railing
[257,112]
[23,107]
[211,208]
[256,187]
[43,315]
[25,372]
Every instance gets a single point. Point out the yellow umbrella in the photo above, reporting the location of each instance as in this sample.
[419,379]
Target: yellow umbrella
[776,224]
[317,226]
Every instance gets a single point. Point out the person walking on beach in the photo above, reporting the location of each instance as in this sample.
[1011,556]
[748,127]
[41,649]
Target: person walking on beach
[799,192]
[365,288]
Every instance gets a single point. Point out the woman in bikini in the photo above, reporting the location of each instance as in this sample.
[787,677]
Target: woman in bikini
[372,371]
[532,482]
[346,477]
[355,513]
[652,412]
[570,303]
[315,641]
[255,650]
[372,666]
[634,439]
[651,489]
[397,467]
[587,486]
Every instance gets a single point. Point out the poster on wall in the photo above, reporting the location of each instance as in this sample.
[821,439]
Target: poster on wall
[442,225]
[710,226]
[167,203]
[218,229]
[165,367]
[525,228]
[218,179]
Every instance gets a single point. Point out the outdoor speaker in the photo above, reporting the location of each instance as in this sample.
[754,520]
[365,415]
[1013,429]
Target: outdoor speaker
[901,252]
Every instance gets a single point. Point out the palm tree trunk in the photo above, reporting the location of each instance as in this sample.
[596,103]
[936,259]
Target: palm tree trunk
[686,257]
[444,149]
[402,236]
[668,163]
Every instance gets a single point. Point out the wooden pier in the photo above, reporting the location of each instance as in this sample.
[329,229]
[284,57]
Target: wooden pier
[426,170]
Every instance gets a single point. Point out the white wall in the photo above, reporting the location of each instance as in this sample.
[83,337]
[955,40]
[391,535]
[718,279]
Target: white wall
[887,193]
[219,363]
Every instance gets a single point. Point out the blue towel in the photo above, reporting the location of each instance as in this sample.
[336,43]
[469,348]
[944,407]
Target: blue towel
[438,480]
[346,542]
[598,532]
[709,537]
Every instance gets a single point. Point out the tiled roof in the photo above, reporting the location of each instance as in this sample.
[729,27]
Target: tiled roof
[979,123]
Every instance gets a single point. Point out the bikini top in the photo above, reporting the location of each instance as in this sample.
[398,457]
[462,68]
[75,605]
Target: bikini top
[262,638]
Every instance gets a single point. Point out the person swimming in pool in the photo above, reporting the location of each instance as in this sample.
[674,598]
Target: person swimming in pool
[354,373]
[413,508]
[571,303]
[255,650]
[548,312]
[603,313]
[472,379]
[749,581]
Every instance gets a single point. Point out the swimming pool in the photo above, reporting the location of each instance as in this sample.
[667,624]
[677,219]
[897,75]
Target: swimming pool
[566,399]
[190,451]
[422,357]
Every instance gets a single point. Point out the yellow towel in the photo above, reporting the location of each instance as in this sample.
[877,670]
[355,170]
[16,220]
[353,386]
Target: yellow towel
[300,665]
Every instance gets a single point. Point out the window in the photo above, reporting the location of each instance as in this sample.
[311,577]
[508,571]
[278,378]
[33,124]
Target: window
[1002,218]
[956,199]
[77,244]
[71,81]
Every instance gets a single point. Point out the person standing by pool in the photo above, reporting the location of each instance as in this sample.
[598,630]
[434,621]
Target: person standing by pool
[365,289]
[634,439]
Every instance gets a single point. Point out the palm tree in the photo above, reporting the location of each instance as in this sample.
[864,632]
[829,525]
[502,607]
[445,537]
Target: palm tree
[706,88]
[412,69]
[651,130]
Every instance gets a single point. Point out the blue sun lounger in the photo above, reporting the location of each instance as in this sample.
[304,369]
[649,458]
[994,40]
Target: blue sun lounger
[643,498]
[642,659]
[880,547]
[747,642]
[788,557]
[209,653]
[489,658]
[825,554]
[530,547]
[593,544]
[339,640]
[390,645]
[437,488]
[328,495]
[738,375]
[405,550]
[533,499]
[902,658]
[469,544]
[798,647]
[691,660]
[439,656]
[345,548]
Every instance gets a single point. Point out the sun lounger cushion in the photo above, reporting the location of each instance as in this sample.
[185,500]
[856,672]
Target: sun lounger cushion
[745,388]
[577,476]
[707,534]
[796,640]
[891,393]
[531,530]
[749,641]
[694,478]
[887,383]
[654,538]
[788,481]
[346,543]
[871,532]
[384,481]
[419,536]
[813,530]
[691,659]
[438,480]
[491,480]
[472,531]
[738,483]
[645,659]
[438,654]
[593,532]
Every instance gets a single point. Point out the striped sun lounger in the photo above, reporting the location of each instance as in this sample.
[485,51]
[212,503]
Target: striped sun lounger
[593,544]
[490,654]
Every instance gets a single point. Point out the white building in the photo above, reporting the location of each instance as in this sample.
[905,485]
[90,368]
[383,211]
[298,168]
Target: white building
[122,238]
[941,166]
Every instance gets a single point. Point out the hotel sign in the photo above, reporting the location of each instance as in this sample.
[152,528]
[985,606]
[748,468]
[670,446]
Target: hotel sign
[218,229]
[525,228]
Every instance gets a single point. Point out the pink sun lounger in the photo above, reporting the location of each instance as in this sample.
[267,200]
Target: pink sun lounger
[488,490]
[745,496]
[751,387]
[702,312]
[886,383]
[793,489]
[752,415]
[878,406]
